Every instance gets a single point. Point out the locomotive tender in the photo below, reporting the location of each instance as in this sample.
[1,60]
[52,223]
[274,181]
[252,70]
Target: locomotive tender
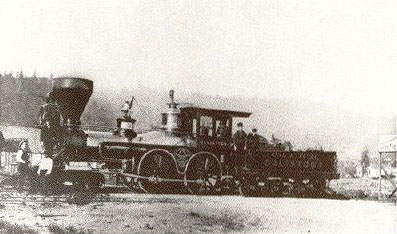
[187,152]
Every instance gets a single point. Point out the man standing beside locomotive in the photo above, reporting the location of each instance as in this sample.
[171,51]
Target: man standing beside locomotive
[239,140]
[44,174]
[50,120]
[23,160]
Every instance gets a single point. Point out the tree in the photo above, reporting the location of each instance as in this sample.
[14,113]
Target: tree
[347,168]
[365,159]
[21,74]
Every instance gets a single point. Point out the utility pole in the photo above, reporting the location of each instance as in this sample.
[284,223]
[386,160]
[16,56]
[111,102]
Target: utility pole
[1,102]
[388,145]
[394,119]
[380,177]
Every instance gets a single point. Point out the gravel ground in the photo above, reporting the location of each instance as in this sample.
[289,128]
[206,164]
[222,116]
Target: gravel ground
[149,213]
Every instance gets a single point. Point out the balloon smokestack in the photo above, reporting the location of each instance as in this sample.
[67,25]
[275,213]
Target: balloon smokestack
[72,95]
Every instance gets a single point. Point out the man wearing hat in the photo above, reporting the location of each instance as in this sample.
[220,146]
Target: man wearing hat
[50,120]
[23,159]
[239,140]
[253,142]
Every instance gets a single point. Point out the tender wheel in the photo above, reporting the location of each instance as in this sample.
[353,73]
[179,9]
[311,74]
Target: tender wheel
[227,186]
[276,188]
[157,166]
[203,174]
[287,188]
[300,188]
[249,189]
[318,186]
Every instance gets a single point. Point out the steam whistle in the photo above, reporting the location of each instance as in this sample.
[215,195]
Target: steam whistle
[172,104]
[130,104]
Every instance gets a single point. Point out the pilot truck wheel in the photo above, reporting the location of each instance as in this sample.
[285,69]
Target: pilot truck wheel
[249,187]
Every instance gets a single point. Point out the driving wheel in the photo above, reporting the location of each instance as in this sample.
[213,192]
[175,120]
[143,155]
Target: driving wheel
[203,174]
[155,167]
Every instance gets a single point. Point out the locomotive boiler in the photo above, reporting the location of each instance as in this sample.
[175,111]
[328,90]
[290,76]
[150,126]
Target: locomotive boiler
[190,152]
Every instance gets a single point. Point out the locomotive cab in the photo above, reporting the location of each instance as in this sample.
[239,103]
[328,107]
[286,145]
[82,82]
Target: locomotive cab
[210,127]
[201,124]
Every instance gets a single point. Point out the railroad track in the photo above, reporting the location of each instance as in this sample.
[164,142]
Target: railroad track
[12,196]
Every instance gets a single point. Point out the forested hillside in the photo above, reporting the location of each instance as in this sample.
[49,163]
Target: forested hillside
[21,98]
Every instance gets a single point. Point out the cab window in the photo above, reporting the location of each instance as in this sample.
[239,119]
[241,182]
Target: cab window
[206,128]
[164,119]
[194,127]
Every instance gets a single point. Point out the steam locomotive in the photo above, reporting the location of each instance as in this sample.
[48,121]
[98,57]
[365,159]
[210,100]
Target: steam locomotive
[178,155]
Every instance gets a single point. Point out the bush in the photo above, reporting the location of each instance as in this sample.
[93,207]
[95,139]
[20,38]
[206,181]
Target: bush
[9,228]
[55,229]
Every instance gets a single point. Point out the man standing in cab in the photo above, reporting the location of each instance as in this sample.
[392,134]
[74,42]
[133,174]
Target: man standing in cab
[239,140]
[253,142]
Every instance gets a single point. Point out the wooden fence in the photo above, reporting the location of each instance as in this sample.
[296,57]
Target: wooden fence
[9,164]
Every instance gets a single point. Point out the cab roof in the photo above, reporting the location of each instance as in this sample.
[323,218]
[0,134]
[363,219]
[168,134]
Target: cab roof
[214,112]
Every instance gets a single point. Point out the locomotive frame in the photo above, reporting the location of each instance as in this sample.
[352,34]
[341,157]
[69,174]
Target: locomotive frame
[198,161]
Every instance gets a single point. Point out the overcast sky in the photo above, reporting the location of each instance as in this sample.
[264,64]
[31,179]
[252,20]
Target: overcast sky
[334,52]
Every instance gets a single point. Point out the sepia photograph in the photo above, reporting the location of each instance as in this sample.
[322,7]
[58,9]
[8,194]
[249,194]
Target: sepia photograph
[198,116]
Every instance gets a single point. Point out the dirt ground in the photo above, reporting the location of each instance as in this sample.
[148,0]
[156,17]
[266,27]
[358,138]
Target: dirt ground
[151,213]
